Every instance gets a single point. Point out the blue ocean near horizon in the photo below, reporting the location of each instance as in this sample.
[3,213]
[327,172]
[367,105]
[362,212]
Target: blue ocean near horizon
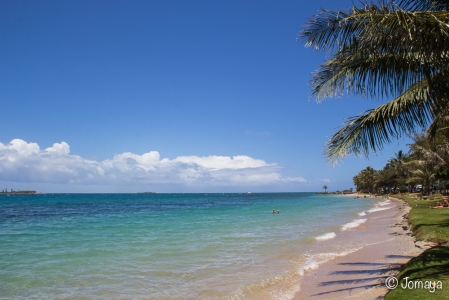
[164,246]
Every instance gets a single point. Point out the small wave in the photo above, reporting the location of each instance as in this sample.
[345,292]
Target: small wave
[316,260]
[311,265]
[383,203]
[362,214]
[326,236]
[378,209]
[353,224]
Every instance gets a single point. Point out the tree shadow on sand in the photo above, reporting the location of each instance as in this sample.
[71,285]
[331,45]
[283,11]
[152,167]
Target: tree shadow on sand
[399,256]
[382,271]
[362,264]
[370,278]
[378,280]
[364,287]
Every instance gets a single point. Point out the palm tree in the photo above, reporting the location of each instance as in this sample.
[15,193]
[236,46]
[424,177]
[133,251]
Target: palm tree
[394,50]
[325,188]
[399,158]
[423,162]
[366,179]
[395,167]
[423,173]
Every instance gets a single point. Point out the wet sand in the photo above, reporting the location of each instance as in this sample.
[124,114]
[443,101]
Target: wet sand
[361,274]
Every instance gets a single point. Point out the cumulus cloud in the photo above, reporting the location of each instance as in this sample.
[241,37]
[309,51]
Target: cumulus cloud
[21,161]
[58,148]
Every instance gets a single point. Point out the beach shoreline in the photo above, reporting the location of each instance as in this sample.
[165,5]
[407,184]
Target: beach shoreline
[361,274]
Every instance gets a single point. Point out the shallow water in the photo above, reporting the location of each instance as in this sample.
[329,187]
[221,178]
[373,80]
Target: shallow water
[169,246]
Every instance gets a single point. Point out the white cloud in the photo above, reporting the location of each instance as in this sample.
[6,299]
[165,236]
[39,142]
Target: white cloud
[59,148]
[20,148]
[26,162]
[223,162]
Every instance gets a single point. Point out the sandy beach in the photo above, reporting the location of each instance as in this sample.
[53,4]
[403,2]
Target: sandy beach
[361,274]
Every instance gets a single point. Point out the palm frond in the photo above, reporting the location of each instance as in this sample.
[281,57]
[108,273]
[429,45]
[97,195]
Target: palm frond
[426,5]
[365,74]
[380,28]
[376,127]
[398,50]
[377,51]
[441,122]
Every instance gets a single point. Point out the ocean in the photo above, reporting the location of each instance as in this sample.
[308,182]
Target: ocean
[171,246]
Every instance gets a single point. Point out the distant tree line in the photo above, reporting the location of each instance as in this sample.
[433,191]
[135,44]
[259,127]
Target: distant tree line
[425,167]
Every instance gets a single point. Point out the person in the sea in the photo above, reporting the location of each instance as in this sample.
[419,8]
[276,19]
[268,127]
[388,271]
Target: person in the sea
[274,211]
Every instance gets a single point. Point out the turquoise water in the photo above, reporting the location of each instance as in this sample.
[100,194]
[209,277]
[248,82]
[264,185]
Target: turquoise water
[166,246]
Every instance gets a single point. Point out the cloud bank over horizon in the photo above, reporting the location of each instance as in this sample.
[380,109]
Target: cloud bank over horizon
[25,162]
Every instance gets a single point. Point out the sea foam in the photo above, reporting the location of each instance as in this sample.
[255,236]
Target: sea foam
[314,261]
[326,236]
[378,209]
[353,224]
[386,202]
[310,265]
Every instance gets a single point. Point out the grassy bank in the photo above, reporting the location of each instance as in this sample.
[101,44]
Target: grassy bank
[427,272]
[428,224]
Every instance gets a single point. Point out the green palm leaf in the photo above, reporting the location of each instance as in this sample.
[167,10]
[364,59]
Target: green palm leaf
[362,74]
[379,28]
[371,130]
[398,50]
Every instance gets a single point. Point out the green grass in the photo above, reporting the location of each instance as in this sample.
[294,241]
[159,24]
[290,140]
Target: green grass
[432,265]
[427,224]
[430,225]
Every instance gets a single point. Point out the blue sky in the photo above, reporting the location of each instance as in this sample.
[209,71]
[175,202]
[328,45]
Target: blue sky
[167,96]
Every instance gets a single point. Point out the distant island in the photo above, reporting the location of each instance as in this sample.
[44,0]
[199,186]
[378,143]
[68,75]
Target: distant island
[17,192]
